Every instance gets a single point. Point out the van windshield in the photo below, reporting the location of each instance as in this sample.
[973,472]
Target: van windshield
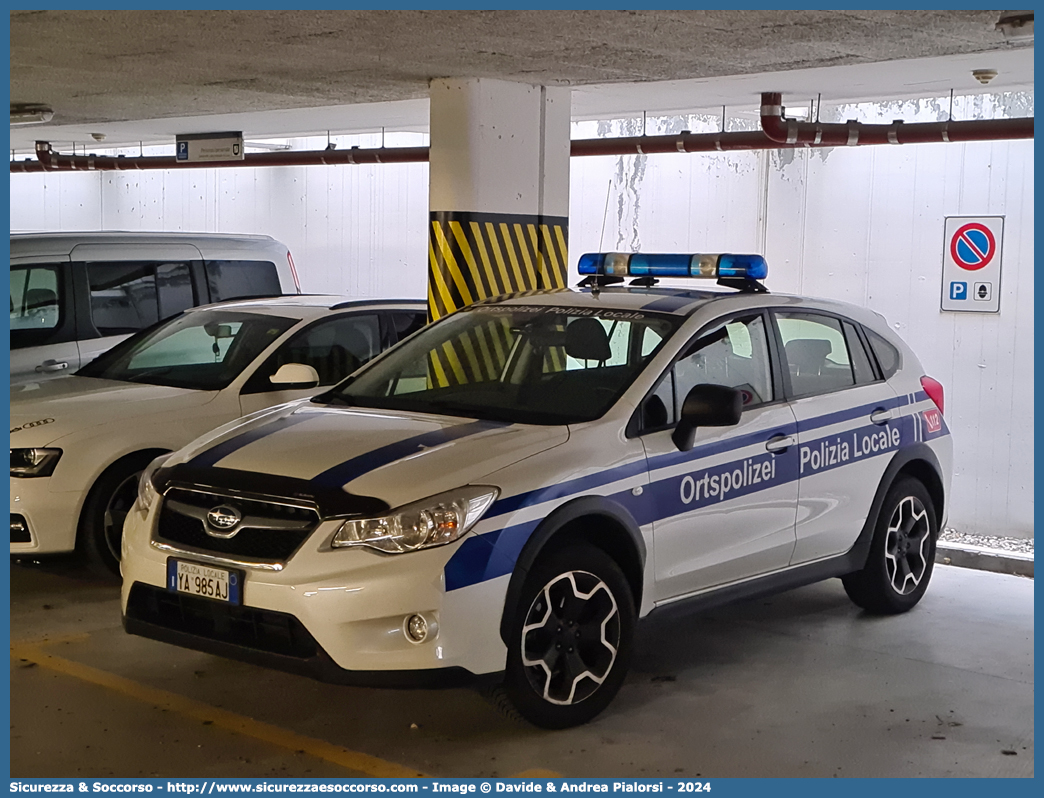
[203,350]
[534,364]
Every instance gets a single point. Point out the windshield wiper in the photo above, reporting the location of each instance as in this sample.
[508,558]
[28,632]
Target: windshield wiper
[149,373]
[331,398]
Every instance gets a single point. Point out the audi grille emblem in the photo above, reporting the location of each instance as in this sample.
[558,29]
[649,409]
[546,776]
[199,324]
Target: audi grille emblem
[222,521]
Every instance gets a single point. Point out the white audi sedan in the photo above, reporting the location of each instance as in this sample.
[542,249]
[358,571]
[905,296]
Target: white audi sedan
[78,443]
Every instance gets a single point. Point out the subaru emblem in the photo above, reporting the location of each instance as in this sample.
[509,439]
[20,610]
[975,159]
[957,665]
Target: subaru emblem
[222,521]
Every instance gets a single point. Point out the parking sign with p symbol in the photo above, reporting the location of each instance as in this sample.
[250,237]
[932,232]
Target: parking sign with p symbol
[958,290]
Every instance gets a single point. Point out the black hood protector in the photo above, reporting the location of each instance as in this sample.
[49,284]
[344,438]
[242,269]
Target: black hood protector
[332,502]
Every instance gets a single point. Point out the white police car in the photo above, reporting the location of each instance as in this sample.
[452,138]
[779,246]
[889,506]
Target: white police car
[502,495]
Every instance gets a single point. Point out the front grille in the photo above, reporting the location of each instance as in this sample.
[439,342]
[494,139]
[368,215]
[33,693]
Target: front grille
[261,630]
[268,531]
[20,529]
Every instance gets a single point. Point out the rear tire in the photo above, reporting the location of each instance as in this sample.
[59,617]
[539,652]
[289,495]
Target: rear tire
[101,523]
[902,552]
[570,639]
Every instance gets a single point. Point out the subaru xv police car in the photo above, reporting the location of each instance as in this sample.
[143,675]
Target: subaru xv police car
[501,496]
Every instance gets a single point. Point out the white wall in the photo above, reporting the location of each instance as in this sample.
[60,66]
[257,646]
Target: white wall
[863,225]
[360,231]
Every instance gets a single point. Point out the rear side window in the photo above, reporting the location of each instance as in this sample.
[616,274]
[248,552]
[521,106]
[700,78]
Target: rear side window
[406,322]
[816,353]
[888,357]
[861,367]
[239,279]
[334,348]
[35,304]
[127,296]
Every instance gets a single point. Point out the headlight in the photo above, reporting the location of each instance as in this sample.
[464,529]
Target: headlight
[429,522]
[147,492]
[34,462]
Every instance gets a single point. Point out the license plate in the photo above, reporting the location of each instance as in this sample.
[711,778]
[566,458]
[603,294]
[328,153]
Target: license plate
[196,579]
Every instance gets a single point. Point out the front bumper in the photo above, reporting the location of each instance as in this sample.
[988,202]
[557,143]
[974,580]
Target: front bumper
[49,516]
[334,615]
[261,637]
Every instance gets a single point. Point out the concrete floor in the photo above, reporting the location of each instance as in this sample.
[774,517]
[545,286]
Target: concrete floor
[802,684]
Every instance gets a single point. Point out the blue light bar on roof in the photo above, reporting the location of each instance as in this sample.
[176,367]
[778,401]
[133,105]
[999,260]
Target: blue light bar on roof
[638,264]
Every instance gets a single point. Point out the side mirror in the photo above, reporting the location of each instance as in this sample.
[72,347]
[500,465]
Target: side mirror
[706,406]
[295,375]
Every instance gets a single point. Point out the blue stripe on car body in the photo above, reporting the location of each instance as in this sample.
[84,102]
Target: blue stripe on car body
[663,498]
[222,450]
[345,472]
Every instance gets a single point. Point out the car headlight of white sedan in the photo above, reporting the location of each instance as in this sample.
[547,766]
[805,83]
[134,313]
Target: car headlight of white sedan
[434,521]
[34,462]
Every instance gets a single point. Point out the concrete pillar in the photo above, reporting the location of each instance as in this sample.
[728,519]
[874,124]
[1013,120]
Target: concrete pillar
[499,190]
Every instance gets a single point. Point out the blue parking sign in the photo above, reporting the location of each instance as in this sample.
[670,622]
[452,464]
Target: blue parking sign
[182,150]
[958,290]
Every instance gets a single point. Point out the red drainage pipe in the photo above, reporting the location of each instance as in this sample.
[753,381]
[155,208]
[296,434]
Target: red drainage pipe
[50,161]
[850,134]
[778,133]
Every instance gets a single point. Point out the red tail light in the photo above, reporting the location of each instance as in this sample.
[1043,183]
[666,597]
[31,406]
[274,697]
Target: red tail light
[934,390]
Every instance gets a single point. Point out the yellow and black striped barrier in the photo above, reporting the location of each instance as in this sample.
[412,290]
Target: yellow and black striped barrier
[477,256]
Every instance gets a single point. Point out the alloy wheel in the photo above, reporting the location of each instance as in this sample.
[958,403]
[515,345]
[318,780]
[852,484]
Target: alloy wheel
[120,503]
[570,638]
[906,547]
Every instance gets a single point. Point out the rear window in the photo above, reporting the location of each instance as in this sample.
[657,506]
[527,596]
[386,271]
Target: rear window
[241,279]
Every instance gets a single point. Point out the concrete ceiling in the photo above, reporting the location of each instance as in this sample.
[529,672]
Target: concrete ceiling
[147,75]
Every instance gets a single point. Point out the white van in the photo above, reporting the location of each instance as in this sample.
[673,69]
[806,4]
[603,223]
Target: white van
[75,295]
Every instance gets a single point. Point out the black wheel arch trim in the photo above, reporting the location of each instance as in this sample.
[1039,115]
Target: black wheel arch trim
[915,453]
[554,523]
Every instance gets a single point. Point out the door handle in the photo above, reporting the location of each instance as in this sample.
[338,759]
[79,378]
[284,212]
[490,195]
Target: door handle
[880,416]
[52,365]
[779,443]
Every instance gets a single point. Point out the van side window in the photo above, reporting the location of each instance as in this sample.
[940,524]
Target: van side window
[35,298]
[241,279]
[127,296]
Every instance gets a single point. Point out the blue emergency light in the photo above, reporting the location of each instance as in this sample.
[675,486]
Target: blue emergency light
[637,264]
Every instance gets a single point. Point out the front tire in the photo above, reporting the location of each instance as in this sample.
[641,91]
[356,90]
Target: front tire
[570,639]
[902,552]
[106,508]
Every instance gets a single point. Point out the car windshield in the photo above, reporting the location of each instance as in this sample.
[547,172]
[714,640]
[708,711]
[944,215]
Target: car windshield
[531,364]
[203,350]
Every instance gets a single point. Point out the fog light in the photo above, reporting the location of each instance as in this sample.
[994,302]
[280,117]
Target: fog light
[416,629]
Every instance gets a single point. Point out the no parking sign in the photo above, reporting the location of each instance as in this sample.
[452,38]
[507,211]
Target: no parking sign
[972,264]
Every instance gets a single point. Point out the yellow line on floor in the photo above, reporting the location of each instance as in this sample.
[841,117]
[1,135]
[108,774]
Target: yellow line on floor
[79,637]
[221,718]
[537,774]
